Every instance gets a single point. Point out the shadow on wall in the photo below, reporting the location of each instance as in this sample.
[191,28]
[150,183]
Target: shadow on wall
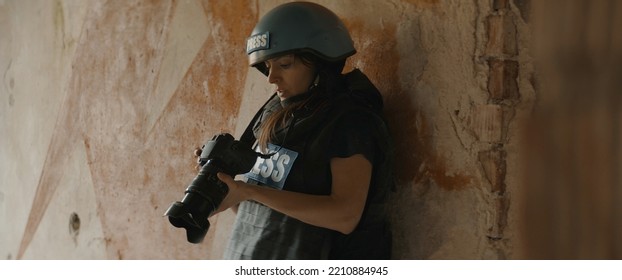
[396,72]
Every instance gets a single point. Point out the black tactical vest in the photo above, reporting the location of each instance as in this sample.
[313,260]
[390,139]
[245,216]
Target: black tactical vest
[262,233]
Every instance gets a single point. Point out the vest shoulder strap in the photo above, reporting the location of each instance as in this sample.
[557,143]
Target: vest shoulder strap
[247,136]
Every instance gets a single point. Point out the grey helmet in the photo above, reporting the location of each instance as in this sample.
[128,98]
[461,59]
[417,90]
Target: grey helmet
[299,27]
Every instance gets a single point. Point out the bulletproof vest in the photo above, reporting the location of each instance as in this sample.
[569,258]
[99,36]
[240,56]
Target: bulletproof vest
[307,136]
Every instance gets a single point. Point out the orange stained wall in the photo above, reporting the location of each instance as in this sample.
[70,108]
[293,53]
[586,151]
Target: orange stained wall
[103,102]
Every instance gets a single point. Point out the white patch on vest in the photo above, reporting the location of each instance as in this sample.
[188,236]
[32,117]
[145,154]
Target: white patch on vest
[273,171]
[258,42]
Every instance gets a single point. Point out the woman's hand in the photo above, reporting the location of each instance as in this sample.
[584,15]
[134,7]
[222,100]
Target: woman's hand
[234,197]
[237,192]
[197,154]
[340,211]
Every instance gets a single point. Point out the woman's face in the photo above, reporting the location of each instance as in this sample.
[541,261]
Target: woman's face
[290,75]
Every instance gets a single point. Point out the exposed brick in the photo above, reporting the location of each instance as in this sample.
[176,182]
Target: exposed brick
[501,36]
[509,111]
[494,165]
[510,44]
[499,217]
[486,123]
[502,80]
[495,79]
[494,47]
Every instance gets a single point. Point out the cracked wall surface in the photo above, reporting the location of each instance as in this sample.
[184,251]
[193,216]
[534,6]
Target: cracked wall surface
[103,102]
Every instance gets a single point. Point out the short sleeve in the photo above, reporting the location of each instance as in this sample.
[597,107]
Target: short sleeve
[353,134]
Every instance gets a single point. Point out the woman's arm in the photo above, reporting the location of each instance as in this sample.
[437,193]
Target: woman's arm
[340,211]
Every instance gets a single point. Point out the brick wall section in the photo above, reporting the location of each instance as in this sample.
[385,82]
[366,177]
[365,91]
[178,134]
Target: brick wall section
[501,51]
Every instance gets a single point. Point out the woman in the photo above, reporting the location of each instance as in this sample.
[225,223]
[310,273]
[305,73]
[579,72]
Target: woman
[319,192]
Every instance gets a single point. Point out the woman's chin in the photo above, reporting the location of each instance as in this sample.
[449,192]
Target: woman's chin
[282,95]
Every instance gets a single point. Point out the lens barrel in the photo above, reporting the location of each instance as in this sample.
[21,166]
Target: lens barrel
[205,193]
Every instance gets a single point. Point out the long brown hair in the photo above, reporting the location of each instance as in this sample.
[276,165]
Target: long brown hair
[328,79]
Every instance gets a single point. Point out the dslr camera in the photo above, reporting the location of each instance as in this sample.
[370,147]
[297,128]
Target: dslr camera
[206,192]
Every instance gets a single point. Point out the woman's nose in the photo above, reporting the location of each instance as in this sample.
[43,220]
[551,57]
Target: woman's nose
[272,76]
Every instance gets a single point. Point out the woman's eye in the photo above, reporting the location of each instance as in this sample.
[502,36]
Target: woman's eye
[285,66]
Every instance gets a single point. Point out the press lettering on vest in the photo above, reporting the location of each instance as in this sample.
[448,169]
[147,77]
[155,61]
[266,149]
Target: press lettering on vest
[274,170]
[277,175]
[258,42]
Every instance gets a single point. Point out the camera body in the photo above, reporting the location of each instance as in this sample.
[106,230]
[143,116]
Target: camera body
[205,193]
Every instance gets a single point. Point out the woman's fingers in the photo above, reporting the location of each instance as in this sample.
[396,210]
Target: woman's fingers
[226,179]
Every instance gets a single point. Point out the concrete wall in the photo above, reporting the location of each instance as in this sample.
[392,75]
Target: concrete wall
[103,102]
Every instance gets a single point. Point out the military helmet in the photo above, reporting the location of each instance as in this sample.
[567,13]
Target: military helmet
[299,27]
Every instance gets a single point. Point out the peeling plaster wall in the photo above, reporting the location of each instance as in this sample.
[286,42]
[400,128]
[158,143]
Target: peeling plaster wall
[103,102]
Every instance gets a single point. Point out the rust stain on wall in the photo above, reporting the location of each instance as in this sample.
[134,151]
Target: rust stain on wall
[426,163]
[105,108]
[379,47]
[137,171]
[382,50]
[417,159]
[224,52]
[116,70]
[437,169]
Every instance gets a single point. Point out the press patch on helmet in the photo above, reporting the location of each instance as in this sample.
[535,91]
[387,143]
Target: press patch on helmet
[258,42]
[273,171]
